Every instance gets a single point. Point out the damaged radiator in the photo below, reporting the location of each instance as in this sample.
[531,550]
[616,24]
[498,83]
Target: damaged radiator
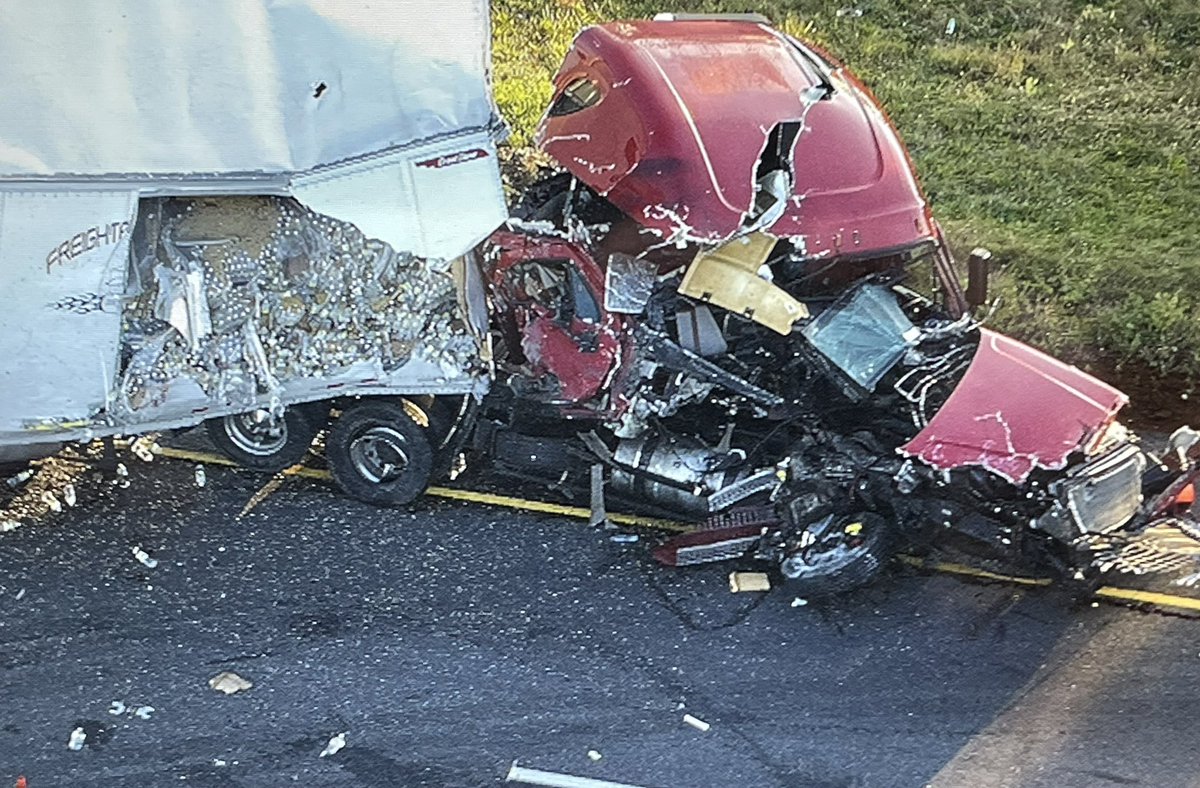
[233,300]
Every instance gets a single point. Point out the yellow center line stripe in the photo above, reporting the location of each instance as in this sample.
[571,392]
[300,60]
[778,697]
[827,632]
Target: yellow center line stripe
[1113,593]
[470,496]
[970,571]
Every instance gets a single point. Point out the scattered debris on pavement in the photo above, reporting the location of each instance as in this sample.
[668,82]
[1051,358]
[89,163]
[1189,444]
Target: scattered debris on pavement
[20,594]
[520,774]
[594,755]
[78,737]
[144,557]
[335,745]
[623,538]
[740,582]
[696,723]
[229,683]
[799,602]
[69,495]
[143,712]
[51,500]
[201,476]
[117,708]
[16,481]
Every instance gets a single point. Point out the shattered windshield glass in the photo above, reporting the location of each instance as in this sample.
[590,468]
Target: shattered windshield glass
[864,336]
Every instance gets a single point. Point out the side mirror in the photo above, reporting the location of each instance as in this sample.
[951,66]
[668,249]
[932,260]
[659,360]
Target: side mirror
[979,266]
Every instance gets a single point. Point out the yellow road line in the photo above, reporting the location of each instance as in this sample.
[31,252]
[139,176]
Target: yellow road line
[470,496]
[970,571]
[1148,597]
[1113,593]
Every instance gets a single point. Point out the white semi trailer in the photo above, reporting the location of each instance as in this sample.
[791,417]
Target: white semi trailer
[246,212]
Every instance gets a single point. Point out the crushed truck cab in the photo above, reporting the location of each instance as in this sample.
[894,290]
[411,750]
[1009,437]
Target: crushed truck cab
[735,300]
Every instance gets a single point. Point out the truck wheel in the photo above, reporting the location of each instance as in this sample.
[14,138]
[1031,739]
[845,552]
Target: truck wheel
[842,564]
[378,454]
[260,442]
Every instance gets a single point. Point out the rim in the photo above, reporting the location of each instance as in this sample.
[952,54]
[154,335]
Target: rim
[379,454]
[257,432]
[800,563]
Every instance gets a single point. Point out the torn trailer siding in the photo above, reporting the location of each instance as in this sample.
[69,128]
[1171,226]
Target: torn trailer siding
[358,138]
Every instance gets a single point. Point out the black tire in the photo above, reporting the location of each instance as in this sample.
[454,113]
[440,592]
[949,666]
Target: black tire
[263,446]
[850,564]
[378,454]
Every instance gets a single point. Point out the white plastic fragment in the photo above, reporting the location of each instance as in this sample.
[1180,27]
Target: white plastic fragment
[799,602]
[22,477]
[78,737]
[849,11]
[623,538]
[142,448]
[229,683]
[594,755]
[144,557]
[20,595]
[9,525]
[696,723]
[219,762]
[519,774]
[69,495]
[122,470]
[117,708]
[951,27]
[335,745]
[143,712]
[201,477]
[51,500]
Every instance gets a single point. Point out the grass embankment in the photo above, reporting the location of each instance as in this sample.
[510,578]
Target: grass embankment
[1061,134]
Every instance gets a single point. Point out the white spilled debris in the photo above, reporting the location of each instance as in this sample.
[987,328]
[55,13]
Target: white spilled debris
[623,538]
[51,500]
[20,595]
[78,737]
[69,495]
[229,683]
[144,449]
[697,723]
[201,476]
[122,471]
[9,525]
[118,708]
[22,477]
[520,774]
[594,755]
[799,602]
[335,745]
[144,557]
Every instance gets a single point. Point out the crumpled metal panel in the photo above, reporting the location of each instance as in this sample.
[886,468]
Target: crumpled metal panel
[730,277]
[685,112]
[63,277]
[1015,409]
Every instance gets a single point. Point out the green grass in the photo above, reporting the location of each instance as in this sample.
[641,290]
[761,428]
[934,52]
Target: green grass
[1063,135]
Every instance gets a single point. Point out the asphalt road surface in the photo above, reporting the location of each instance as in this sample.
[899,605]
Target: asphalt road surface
[449,641]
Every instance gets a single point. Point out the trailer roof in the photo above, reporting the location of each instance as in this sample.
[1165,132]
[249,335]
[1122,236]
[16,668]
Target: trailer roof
[170,87]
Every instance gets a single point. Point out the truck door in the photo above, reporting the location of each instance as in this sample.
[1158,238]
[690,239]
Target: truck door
[567,341]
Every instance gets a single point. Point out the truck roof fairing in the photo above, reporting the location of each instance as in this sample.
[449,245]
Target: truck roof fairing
[675,122]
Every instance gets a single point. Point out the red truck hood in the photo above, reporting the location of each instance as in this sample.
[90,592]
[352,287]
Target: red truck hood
[1016,409]
[684,114]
